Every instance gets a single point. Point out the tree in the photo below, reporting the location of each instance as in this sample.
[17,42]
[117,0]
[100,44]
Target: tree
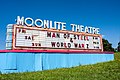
[118,48]
[107,46]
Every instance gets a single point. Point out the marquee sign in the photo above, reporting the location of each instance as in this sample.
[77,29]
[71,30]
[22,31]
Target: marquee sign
[25,37]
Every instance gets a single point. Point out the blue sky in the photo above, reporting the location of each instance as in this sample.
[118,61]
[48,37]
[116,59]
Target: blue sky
[104,14]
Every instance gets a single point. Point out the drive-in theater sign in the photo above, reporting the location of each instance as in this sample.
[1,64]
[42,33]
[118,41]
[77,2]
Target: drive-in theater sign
[45,44]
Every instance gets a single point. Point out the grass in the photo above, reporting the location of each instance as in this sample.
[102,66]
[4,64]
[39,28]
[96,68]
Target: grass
[100,71]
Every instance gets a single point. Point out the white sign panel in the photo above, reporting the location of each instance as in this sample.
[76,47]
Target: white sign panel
[36,38]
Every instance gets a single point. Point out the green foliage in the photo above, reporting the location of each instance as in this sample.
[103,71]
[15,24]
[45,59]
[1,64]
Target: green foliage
[101,71]
[117,56]
[107,46]
[118,48]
